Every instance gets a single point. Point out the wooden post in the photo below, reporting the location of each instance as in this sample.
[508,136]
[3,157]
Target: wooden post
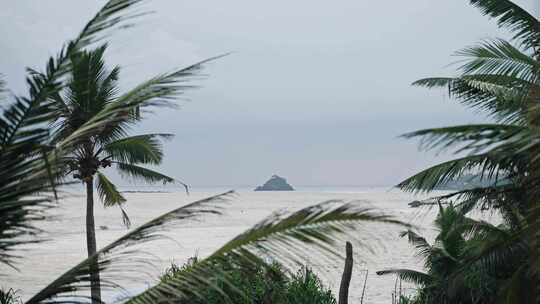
[347,274]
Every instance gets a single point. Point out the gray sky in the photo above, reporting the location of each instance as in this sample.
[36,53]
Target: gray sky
[316,91]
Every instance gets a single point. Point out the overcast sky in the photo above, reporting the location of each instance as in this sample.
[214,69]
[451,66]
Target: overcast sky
[316,91]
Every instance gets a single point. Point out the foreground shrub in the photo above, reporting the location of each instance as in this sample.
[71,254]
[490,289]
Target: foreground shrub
[9,297]
[263,285]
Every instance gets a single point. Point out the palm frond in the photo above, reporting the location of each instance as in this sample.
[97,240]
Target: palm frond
[434,82]
[408,275]
[514,18]
[485,165]
[422,246]
[110,196]
[499,57]
[473,138]
[500,96]
[89,88]
[27,182]
[143,174]
[164,89]
[482,230]
[496,254]
[139,149]
[504,197]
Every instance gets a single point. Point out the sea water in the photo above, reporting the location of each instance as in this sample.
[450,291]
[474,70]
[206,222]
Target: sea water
[382,247]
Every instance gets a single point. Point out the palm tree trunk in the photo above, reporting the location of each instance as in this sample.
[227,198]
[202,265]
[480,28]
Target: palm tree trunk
[91,242]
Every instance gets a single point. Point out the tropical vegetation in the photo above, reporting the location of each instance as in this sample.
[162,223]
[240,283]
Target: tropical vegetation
[499,78]
[9,296]
[89,90]
[263,284]
[75,121]
[448,277]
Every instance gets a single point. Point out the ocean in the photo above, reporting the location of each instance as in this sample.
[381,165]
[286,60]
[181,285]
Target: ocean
[382,247]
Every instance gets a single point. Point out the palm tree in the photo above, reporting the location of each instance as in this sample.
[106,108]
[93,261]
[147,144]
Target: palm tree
[91,92]
[440,259]
[29,164]
[449,278]
[502,79]
[79,126]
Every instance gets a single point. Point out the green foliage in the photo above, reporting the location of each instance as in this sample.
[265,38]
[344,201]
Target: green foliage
[259,285]
[9,297]
[31,166]
[408,300]
[305,288]
[525,27]
[449,278]
[501,79]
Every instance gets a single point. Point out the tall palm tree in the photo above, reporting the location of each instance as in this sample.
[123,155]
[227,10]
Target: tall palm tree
[25,193]
[90,90]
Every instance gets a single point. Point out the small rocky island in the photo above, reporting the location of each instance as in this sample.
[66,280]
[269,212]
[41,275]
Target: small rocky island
[275,183]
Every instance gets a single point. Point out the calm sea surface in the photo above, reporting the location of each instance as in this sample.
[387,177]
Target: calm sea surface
[44,262]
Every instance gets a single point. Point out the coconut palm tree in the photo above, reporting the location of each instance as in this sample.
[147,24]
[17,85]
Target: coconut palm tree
[502,79]
[90,91]
[449,278]
[441,259]
[80,127]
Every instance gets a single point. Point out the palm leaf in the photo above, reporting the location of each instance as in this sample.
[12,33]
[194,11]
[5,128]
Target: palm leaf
[143,174]
[514,18]
[420,243]
[502,97]
[408,275]
[499,57]
[28,179]
[504,196]
[485,165]
[472,138]
[110,196]
[140,149]
[166,88]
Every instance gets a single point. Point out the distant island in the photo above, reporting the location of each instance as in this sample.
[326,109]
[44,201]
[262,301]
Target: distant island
[275,183]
